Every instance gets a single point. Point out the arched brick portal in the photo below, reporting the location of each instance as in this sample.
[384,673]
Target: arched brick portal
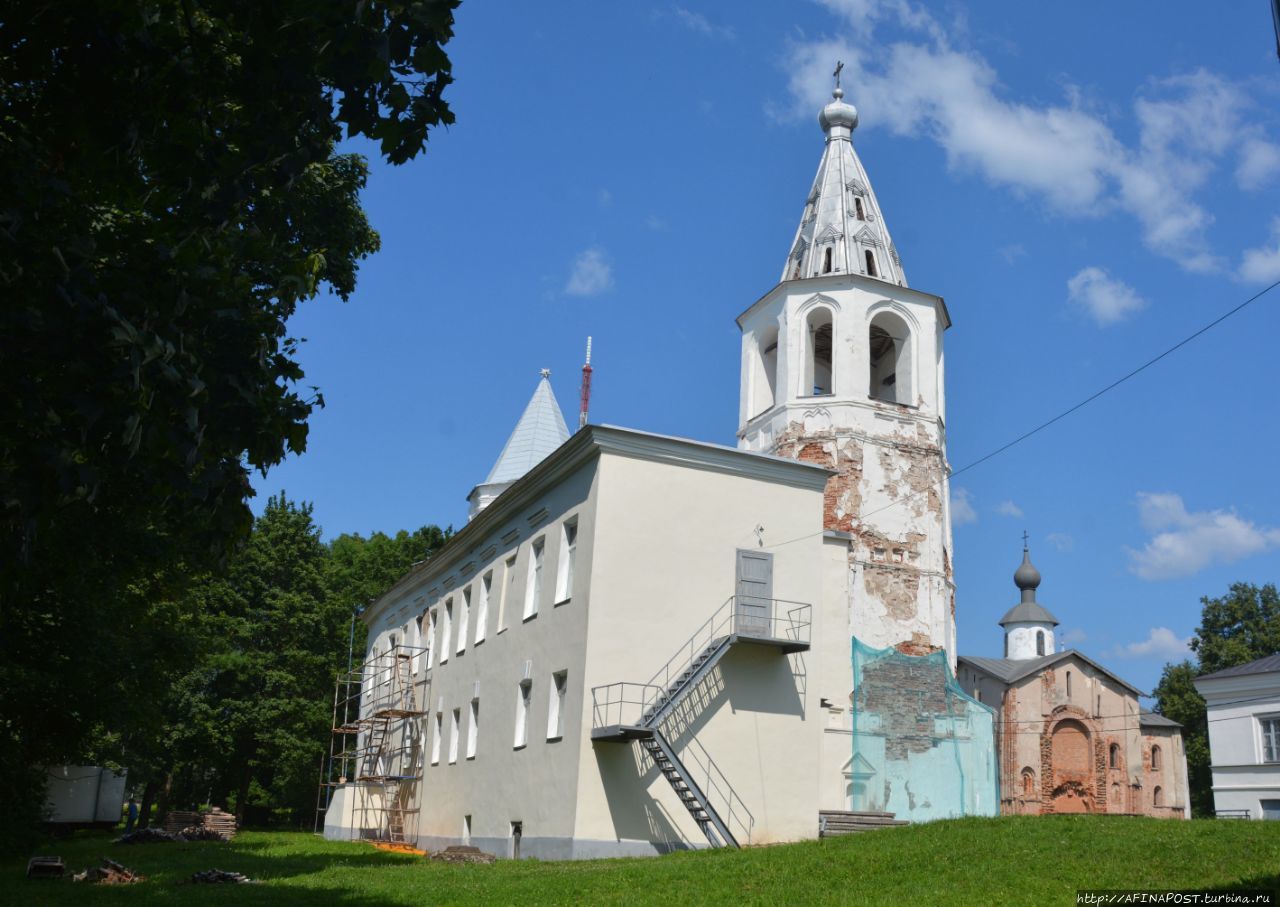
[1072,763]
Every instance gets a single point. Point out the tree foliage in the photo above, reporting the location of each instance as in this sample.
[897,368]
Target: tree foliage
[247,721]
[1235,629]
[169,194]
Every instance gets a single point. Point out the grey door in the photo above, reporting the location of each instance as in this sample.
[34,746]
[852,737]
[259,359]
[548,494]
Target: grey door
[754,593]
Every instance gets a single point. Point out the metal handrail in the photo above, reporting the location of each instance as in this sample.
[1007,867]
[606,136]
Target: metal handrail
[730,619]
[717,789]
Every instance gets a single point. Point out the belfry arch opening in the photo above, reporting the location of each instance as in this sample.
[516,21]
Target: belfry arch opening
[764,383]
[890,348]
[819,334]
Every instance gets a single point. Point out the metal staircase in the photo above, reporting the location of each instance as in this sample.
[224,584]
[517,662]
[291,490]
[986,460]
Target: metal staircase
[626,711]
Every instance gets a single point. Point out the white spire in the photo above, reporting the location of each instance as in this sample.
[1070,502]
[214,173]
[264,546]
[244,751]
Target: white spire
[842,222]
[541,430]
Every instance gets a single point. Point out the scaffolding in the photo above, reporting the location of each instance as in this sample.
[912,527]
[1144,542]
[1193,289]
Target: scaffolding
[376,748]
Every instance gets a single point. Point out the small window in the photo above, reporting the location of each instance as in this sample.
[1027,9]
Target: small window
[453,735]
[522,714]
[1157,797]
[1270,739]
[431,638]
[435,743]
[826,260]
[473,728]
[464,619]
[482,607]
[446,631]
[508,587]
[1039,642]
[1113,760]
[1006,645]
[533,588]
[1068,681]
[1028,783]
[568,553]
[1098,709]
[555,708]
[1155,758]
[871,263]
[466,829]
[857,207]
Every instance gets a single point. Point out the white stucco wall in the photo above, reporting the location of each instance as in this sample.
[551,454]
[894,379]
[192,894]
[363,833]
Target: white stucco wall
[1241,777]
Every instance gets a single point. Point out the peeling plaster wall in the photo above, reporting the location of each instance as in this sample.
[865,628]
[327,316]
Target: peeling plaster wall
[890,490]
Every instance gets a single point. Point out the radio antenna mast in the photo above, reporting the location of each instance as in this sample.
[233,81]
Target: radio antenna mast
[586,388]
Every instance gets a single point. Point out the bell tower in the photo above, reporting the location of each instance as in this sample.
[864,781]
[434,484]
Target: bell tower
[842,366]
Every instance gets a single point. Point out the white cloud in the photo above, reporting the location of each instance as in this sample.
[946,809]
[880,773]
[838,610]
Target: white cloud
[1106,299]
[696,22]
[591,275]
[1262,265]
[962,510]
[1064,154]
[605,198]
[1161,642]
[1060,540]
[653,222]
[1184,543]
[1259,163]
[1011,253]
[1008,508]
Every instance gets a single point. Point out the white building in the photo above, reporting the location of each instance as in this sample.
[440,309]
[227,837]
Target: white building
[642,643]
[1244,737]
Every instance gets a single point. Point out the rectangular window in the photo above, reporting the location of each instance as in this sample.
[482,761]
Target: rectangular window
[522,714]
[446,631]
[533,588]
[482,607]
[564,572]
[464,618]
[1270,739]
[453,735]
[508,585]
[466,829]
[435,743]
[555,708]
[431,638]
[473,728]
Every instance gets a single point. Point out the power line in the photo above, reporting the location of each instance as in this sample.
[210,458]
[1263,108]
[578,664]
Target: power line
[1062,415]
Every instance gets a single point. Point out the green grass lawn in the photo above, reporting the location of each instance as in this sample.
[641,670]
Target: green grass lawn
[966,861]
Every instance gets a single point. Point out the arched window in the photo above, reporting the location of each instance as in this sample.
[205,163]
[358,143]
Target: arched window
[1113,759]
[857,207]
[818,373]
[1157,797]
[1006,645]
[764,385]
[826,260]
[871,263]
[889,339]
[1028,782]
[1068,683]
[1155,759]
[1039,642]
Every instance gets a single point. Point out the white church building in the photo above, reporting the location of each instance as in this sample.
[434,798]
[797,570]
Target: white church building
[642,643]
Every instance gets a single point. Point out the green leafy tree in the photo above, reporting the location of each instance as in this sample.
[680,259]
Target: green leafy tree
[1240,627]
[169,194]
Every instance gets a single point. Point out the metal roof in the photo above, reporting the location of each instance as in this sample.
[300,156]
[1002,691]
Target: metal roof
[541,430]
[1028,612]
[1011,670]
[1151,719]
[1261,666]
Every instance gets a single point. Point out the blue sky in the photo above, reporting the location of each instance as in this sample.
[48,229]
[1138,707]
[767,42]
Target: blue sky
[1085,184]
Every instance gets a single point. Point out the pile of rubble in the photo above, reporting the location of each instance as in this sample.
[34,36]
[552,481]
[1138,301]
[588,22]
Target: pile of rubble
[148,836]
[463,854]
[217,876]
[108,873]
[200,833]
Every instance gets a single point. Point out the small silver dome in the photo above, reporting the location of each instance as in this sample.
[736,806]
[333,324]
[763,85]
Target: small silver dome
[838,113]
[1026,576]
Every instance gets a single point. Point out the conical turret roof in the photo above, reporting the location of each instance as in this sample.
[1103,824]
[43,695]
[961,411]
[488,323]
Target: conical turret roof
[842,221]
[541,430]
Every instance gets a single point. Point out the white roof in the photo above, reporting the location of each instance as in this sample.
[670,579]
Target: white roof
[541,430]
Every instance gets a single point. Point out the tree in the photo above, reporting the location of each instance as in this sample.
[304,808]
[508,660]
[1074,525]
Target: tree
[170,194]
[1240,627]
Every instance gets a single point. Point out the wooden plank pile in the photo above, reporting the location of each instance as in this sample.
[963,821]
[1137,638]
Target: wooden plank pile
[201,826]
